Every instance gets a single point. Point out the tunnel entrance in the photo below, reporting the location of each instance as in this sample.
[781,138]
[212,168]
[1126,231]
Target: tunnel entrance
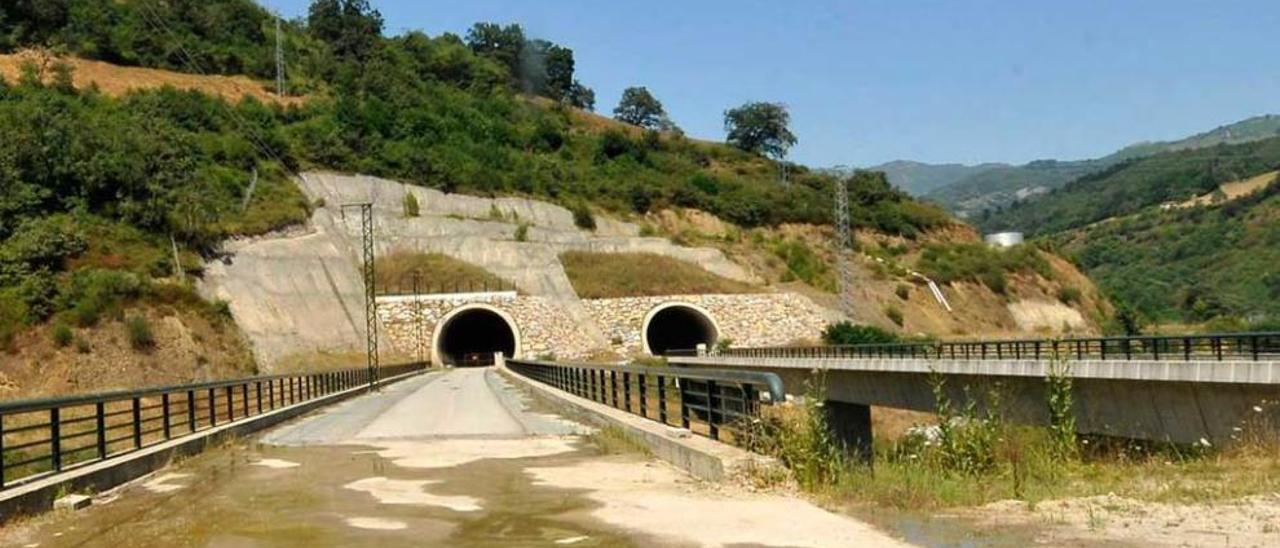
[470,337]
[678,327]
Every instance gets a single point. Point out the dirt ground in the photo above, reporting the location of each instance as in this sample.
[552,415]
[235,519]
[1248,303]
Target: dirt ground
[114,80]
[188,348]
[1251,521]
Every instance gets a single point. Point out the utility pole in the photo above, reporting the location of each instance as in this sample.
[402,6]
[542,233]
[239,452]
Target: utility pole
[370,295]
[844,245]
[280,91]
[417,313]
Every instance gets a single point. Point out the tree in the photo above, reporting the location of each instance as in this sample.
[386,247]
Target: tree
[558,66]
[581,96]
[640,108]
[352,28]
[760,128]
[502,43]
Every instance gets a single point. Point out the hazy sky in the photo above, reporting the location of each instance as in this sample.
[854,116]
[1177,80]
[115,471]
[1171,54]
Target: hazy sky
[938,81]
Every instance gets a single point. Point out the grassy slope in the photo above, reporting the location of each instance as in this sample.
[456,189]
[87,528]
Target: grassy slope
[611,275]
[439,272]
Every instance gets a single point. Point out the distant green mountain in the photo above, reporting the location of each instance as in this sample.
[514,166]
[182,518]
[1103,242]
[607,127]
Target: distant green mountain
[1127,187]
[996,188]
[1195,264]
[918,178]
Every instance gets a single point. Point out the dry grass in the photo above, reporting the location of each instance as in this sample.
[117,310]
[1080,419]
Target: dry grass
[114,80]
[613,275]
[439,273]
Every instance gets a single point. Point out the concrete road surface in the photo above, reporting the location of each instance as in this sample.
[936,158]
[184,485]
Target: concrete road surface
[453,458]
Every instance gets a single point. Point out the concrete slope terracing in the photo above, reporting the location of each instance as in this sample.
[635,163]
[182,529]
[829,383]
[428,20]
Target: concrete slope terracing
[295,295]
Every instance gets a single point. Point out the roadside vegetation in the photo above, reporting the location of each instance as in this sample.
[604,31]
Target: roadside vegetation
[970,454]
[613,275]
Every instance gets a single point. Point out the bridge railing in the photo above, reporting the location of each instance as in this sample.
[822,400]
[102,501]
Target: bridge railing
[41,437]
[1214,347]
[710,402]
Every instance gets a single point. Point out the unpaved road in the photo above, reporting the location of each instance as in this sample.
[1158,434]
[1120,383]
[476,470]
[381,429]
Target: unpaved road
[447,459]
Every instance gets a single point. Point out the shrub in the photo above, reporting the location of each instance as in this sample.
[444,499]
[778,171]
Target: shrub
[522,232]
[82,346]
[92,293]
[903,291]
[582,216]
[1069,295]
[141,337]
[410,203]
[894,314]
[848,333]
[62,335]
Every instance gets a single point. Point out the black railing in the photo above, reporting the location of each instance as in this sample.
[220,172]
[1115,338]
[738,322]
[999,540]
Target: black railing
[402,287]
[710,402]
[1219,347]
[41,437]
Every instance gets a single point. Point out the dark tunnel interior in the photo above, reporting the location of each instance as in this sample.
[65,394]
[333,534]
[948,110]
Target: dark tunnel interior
[679,328]
[473,336]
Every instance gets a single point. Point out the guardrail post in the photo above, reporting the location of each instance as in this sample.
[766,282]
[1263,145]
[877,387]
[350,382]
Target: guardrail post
[662,399]
[257,386]
[1253,341]
[191,410]
[626,392]
[164,404]
[684,405]
[100,409]
[244,398]
[1,451]
[231,409]
[137,423]
[713,429]
[644,405]
[613,389]
[55,440]
[213,408]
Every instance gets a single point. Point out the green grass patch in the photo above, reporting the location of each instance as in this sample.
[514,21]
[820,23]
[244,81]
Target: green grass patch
[614,275]
[440,272]
[947,263]
[613,440]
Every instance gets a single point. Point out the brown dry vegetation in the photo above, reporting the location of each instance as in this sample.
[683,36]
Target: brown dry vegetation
[439,273]
[977,310]
[611,275]
[190,346]
[115,81]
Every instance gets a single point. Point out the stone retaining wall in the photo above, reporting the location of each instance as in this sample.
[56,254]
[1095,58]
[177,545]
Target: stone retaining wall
[763,319]
[547,328]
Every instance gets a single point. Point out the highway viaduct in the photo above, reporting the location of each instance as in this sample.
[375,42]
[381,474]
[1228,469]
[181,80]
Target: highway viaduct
[1183,389]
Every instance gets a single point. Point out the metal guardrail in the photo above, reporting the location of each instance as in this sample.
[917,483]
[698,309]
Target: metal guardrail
[1217,347]
[705,401]
[408,288]
[41,437]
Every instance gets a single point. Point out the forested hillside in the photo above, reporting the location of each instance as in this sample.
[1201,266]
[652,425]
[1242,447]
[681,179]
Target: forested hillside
[988,191]
[1217,262]
[100,194]
[1132,185]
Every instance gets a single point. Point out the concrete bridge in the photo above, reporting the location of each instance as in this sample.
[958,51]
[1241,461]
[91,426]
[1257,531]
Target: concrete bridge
[458,457]
[1182,389]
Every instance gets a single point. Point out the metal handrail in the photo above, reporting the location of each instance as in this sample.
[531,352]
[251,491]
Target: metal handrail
[717,398]
[1216,347]
[123,421]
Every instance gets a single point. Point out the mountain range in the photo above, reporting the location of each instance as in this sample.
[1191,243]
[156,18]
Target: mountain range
[971,191]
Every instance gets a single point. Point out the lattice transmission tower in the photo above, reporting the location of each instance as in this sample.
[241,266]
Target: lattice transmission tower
[280,91]
[844,246]
[370,288]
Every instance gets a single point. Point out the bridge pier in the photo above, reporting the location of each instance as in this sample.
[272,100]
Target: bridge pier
[850,424]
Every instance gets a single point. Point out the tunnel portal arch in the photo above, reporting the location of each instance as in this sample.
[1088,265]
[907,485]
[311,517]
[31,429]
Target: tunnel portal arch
[474,330]
[678,326]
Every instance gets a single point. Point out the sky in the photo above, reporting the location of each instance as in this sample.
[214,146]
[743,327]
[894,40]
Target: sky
[938,81]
